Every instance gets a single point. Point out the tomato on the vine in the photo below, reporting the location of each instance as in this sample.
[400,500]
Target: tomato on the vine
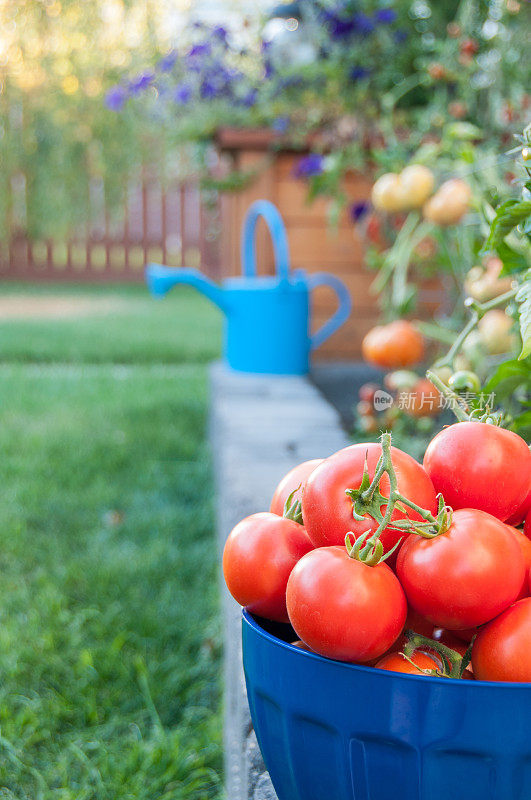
[502,650]
[398,344]
[327,509]
[396,662]
[293,481]
[464,380]
[342,608]
[449,204]
[477,465]
[259,554]
[465,576]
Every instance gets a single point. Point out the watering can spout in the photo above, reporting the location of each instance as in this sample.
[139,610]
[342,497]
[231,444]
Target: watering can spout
[161,279]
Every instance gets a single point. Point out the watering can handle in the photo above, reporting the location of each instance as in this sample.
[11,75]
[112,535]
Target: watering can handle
[271,215]
[343,311]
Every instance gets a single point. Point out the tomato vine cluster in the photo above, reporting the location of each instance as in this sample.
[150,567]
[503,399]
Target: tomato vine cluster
[376,559]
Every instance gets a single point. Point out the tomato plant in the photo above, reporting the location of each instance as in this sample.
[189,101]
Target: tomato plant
[343,608]
[332,488]
[259,554]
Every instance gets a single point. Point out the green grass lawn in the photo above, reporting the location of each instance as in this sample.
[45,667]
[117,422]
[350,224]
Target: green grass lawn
[109,637]
[183,327]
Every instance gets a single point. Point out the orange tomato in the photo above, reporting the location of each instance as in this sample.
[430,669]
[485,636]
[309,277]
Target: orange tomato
[395,662]
[398,344]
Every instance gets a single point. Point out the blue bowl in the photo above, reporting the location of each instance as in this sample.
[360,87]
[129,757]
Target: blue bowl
[335,731]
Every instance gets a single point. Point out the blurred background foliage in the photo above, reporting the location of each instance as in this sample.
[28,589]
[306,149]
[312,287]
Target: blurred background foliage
[368,80]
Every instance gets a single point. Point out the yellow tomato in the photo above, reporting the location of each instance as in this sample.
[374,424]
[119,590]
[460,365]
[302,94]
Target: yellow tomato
[495,330]
[388,194]
[417,183]
[449,204]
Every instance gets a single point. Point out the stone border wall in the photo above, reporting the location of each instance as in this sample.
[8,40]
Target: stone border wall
[261,427]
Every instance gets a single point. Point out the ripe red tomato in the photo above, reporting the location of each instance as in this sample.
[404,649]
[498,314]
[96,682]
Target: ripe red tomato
[466,576]
[502,651]
[259,554]
[476,465]
[342,608]
[418,624]
[327,510]
[520,515]
[525,547]
[527,524]
[398,344]
[466,634]
[395,662]
[291,482]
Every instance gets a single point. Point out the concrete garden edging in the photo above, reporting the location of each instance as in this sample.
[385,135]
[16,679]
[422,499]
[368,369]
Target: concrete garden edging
[260,427]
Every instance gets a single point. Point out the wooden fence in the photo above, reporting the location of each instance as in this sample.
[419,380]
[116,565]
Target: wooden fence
[176,226]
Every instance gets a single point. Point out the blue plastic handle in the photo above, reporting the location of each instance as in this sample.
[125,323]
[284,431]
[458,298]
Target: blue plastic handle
[343,311]
[277,229]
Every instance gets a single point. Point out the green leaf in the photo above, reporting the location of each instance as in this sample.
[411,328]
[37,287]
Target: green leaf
[508,216]
[512,261]
[523,298]
[508,377]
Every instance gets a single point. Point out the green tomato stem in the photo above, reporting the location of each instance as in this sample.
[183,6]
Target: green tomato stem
[453,664]
[478,310]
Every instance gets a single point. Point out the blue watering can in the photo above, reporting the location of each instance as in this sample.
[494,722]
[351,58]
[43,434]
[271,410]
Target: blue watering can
[267,327]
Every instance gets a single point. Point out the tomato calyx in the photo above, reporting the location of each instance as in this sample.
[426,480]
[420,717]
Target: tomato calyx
[368,549]
[453,665]
[460,408]
[293,508]
[368,500]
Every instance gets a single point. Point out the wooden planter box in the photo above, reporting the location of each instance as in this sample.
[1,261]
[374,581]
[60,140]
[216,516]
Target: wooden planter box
[314,245]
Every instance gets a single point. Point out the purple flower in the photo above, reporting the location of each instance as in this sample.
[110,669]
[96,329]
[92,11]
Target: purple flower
[250,98]
[400,36]
[309,166]
[167,62]
[280,124]
[343,24]
[358,211]
[141,82]
[340,28]
[199,50]
[358,73]
[115,98]
[219,32]
[196,56]
[385,16]
[268,69]
[182,94]
[364,24]
[209,89]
